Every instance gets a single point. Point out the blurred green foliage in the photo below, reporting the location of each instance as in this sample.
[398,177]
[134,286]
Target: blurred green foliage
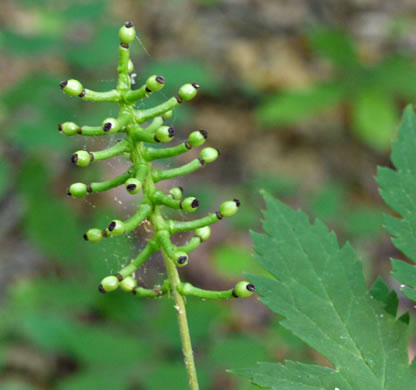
[116,341]
[370,91]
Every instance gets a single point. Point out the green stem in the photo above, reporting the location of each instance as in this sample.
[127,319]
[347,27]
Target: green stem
[108,184]
[136,219]
[182,321]
[185,226]
[187,289]
[115,150]
[92,131]
[156,154]
[144,115]
[148,250]
[110,96]
[175,172]
[156,123]
[190,246]
[137,94]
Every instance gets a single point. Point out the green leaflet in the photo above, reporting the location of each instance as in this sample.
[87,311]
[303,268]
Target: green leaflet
[398,189]
[320,291]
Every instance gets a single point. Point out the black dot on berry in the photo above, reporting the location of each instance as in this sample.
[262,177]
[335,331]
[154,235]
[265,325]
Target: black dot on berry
[182,260]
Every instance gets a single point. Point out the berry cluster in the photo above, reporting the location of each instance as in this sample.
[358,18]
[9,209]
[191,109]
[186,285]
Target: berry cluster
[140,128]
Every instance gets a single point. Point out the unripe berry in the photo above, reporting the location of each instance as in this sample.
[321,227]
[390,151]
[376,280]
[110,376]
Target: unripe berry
[188,91]
[78,190]
[203,233]
[180,258]
[209,154]
[133,185]
[127,284]
[168,114]
[71,87]
[127,33]
[81,158]
[116,228]
[197,138]
[110,125]
[165,134]
[190,204]
[68,128]
[108,284]
[229,208]
[93,235]
[176,193]
[130,67]
[243,289]
[155,83]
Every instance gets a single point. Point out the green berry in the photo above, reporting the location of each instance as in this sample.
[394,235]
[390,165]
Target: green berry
[155,83]
[128,284]
[110,125]
[229,208]
[168,114]
[203,233]
[78,190]
[190,204]
[130,67]
[188,91]
[197,138]
[81,158]
[69,128]
[180,258]
[243,289]
[176,193]
[164,134]
[71,87]
[108,284]
[133,185]
[93,235]
[209,154]
[127,33]
[116,228]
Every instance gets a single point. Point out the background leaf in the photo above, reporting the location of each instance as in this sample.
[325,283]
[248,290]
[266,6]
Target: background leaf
[320,291]
[398,189]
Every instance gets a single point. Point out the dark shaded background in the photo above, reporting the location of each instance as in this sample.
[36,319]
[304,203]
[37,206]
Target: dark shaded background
[302,97]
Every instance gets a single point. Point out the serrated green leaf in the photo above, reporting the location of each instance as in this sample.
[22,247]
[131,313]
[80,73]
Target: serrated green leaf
[398,189]
[320,292]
